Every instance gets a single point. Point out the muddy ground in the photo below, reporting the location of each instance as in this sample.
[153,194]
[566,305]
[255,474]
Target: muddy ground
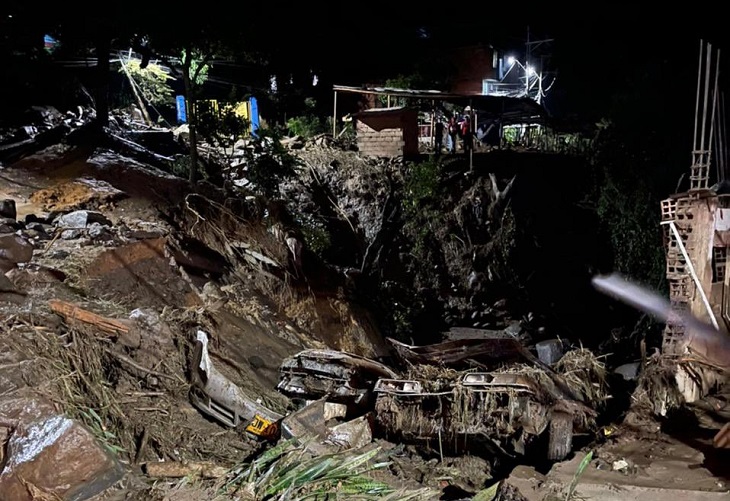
[172,262]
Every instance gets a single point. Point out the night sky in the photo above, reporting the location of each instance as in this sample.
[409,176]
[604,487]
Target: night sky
[599,52]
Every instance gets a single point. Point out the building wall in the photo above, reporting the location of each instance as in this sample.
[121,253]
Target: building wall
[473,65]
[694,221]
[701,243]
[387,134]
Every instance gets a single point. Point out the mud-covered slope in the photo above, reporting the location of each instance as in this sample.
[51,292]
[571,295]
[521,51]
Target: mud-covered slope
[434,244]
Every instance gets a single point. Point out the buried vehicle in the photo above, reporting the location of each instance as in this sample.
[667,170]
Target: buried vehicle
[468,395]
[518,407]
[340,377]
[219,398]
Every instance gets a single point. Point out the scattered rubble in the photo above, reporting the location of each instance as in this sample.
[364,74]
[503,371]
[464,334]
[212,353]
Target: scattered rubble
[629,468]
[174,335]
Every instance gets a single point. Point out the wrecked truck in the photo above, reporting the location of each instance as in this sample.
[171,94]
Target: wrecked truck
[448,399]
[469,395]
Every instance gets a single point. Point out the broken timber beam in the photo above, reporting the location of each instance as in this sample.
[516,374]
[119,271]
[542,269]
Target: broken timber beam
[121,329]
[176,469]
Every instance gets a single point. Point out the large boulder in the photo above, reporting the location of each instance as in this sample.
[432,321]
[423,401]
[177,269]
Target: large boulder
[14,249]
[50,456]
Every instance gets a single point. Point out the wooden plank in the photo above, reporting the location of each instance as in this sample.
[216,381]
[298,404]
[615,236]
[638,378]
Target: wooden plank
[175,469]
[71,312]
[119,329]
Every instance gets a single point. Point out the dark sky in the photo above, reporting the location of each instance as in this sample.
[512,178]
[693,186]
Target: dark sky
[597,50]
[614,50]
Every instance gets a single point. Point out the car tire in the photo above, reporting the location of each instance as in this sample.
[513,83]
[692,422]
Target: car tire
[560,439]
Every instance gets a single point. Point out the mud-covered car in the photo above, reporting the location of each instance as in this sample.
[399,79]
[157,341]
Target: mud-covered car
[219,398]
[340,377]
[520,406]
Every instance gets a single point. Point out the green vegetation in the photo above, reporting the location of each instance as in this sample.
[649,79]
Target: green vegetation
[488,494]
[221,125]
[627,206]
[96,424]
[288,471]
[400,82]
[267,163]
[152,82]
[421,185]
[316,236]
[578,473]
[422,218]
[309,124]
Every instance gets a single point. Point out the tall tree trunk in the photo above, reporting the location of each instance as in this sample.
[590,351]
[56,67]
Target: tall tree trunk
[192,116]
[103,48]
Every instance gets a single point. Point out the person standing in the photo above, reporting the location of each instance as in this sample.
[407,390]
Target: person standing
[439,136]
[453,133]
[466,132]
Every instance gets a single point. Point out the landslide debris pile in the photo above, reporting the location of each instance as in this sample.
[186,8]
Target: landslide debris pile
[114,270]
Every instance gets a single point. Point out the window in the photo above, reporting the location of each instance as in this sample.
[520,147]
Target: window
[489,86]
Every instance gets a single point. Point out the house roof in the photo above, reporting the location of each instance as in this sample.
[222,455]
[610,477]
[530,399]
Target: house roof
[509,109]
[392,109]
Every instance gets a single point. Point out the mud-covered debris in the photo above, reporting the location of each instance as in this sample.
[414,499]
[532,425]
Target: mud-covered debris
[342,377]
[218,397]
[633,470]
[630,371]
[178,469]
[139,273]
[37,231]
[325,435]
[549,351]
[656,392]
[195,257]
[504,410]
[71,234]
[512,331]
[352,434]
[6,285]
[119,330]
[8,225]
[475,412]
[461,352]
[585,374]
[81,193]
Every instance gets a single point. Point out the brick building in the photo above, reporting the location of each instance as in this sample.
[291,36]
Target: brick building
[387,132]
[474,65]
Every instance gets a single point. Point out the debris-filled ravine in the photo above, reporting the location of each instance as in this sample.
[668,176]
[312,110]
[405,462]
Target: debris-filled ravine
[335,339]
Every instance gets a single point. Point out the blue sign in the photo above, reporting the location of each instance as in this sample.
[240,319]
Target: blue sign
[254,116]
[50,43]
[181,114]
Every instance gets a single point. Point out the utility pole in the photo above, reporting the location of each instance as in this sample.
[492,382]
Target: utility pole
[527,63]
[530,45]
